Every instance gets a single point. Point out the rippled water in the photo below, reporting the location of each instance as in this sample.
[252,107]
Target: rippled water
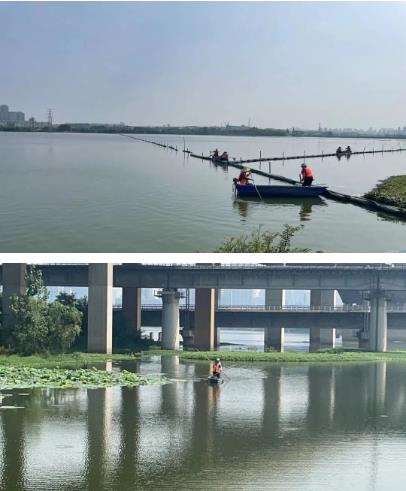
[108,193]
[338,427]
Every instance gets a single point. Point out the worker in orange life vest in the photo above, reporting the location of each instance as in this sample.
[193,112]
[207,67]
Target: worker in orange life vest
[244,176]
[217,368]
[306,175]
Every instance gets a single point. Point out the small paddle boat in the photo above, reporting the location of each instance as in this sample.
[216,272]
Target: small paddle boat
[277,191]
[215,380]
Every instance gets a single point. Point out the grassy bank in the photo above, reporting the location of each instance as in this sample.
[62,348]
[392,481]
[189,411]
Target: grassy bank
[70,360]
[390,191]
[332,356]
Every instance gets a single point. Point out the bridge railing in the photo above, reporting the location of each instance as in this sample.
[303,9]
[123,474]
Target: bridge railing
[285,308]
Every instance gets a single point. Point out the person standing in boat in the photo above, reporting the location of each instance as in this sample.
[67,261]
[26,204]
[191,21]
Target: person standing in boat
[217,368]
[244,176]
[216,153]
[306,175]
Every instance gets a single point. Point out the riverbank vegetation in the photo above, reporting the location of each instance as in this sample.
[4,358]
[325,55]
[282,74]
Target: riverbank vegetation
[328,356]
[68,360]
[263,241]
[390,191]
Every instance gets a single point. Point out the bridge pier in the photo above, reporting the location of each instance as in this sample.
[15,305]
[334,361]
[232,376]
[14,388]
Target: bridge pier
[13,284]
[100,324]
[274,336]
[131,309]
[322,337]
[217,294]
[204,330]
[378,324]
[170,318]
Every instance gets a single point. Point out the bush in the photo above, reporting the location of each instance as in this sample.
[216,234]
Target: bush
[259,241]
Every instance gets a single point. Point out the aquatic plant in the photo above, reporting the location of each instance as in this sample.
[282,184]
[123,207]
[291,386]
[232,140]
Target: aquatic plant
[327,356]
[28,377]
[390,191]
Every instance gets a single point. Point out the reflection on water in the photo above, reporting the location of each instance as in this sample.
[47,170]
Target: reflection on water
[247,207]
[279,427]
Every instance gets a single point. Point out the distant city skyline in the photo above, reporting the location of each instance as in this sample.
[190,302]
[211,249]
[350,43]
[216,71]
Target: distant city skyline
[17,118]
[275,64]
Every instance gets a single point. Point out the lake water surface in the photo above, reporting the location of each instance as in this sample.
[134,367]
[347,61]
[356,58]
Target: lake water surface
[109,193]
[339,427]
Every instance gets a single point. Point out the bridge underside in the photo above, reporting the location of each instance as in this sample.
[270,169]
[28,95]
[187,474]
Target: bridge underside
[371,285]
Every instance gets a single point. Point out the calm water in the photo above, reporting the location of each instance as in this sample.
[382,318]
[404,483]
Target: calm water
[291,427]
[108,193]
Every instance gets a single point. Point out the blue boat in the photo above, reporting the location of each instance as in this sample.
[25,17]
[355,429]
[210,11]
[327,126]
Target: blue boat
[278,191]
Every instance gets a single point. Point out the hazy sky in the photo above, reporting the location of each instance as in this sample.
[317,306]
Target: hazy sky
[281,64]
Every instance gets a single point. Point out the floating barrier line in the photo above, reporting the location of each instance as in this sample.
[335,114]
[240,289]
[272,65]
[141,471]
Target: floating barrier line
[304,156]
[150,141]
[334,195]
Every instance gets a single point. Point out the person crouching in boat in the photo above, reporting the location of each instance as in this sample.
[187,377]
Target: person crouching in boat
[244,177]
[224,156]
[306,175]
[217,368]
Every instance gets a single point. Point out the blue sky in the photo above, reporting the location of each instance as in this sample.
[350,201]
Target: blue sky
[280,64]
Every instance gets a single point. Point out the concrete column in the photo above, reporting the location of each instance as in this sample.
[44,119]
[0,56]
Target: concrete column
[132,309]
[217,294]
[322,337]
[170,318]
[274,336]
[100,333]
[378,327]
[204,318]
[13,284]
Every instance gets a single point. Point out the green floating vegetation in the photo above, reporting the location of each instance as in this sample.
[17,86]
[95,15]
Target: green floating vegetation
[390,191]
[28,377]
[70,360]
[330,356]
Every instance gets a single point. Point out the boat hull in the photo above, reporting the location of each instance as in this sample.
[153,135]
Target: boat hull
[215,381]
[270,191]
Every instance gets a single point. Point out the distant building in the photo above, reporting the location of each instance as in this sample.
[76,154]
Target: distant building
[3,114]
[16,118]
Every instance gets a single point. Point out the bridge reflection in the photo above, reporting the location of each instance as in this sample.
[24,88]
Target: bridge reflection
[156,436]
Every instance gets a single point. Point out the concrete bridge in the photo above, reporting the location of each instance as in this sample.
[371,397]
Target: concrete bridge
[370,285]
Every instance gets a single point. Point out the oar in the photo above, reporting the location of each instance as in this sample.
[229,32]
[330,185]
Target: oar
[256,189]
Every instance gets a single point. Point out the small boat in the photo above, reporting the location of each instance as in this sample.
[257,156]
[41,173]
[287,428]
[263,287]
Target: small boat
[278,191]
[219,160]
[215,380]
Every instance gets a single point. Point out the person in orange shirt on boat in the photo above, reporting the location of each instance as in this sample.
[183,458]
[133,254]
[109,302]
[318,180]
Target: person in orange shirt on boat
[244,176]
[306,175]
[217,368]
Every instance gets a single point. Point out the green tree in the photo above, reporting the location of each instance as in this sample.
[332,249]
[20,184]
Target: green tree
[39,326]
[263,241]
[64,322]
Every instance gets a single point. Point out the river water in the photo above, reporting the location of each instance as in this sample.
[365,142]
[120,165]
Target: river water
[109,193]
[338,427]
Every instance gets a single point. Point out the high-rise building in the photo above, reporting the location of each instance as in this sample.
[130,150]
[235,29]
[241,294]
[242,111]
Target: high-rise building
[3,114]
